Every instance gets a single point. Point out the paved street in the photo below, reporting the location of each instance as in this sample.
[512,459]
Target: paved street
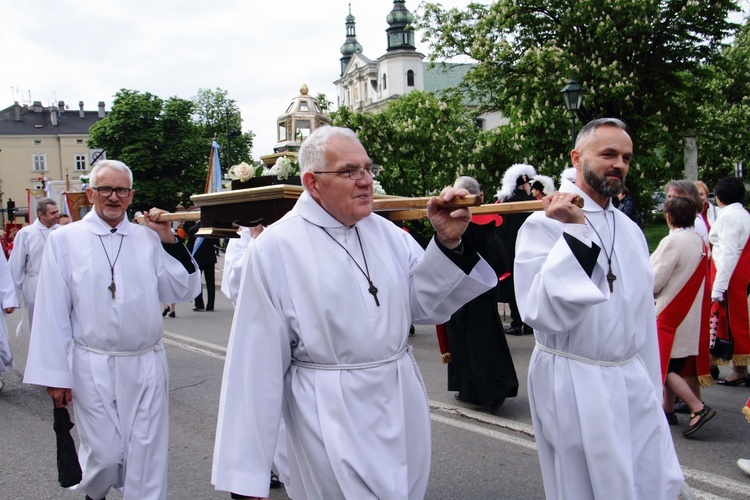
[475,455]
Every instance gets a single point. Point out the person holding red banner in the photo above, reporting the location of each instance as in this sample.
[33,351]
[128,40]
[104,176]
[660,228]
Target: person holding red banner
[680,265]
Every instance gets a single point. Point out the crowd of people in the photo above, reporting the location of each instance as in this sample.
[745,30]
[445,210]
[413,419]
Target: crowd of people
[320,385]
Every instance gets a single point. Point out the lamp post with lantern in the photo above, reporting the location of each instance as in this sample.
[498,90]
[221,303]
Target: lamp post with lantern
[573,96]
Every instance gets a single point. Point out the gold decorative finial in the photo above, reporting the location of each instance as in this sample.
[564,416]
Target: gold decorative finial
[303,89]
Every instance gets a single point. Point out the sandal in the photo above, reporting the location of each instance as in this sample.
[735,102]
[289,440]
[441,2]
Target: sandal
[706,414]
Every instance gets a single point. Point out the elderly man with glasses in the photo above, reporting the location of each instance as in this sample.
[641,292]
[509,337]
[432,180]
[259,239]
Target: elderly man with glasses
[320,335]
[96,338]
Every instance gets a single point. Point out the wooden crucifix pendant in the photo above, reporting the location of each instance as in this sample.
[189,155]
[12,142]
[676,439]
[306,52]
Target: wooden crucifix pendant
[374,292]
[112,288]
[611,280]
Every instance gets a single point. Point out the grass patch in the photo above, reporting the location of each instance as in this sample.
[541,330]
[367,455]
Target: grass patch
[655,232]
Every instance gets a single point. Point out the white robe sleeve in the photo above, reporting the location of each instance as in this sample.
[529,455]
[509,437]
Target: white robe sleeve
[8,296]
[17,262]
[560,291]
[52,331]
[249,412]
[728,238]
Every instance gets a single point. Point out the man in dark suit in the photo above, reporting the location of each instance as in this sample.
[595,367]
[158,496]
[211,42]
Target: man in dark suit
[204,254]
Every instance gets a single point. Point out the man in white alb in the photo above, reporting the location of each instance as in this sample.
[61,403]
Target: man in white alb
[96,339]
[26,257]
[320,335]
[585,284]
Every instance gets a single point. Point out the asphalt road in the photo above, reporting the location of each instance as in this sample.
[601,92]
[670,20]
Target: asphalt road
[475,455]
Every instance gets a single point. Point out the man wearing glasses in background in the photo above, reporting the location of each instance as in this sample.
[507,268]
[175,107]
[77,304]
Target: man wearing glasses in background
[320,335]
[96,338]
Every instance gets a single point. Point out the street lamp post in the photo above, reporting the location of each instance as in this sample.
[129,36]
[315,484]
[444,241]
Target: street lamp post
[573,96]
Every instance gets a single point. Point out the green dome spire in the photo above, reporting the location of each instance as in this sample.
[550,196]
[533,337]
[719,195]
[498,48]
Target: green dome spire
[400,31]
[351,45]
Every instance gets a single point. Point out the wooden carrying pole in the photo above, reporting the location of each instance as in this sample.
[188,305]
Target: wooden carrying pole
[400,209]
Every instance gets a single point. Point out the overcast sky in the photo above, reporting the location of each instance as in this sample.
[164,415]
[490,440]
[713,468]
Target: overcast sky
[260,51]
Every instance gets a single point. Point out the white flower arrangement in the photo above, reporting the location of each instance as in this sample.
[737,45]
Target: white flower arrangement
[283,168]
[377,188]
[242,172]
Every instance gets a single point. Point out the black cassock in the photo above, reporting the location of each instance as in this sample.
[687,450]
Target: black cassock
[482,369]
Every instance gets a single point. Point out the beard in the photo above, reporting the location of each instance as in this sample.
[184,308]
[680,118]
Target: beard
[600,184]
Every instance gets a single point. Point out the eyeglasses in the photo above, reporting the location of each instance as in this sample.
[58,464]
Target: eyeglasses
[354,173]
[106,191]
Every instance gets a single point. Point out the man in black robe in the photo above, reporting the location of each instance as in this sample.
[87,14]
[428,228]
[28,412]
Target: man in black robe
[481,369]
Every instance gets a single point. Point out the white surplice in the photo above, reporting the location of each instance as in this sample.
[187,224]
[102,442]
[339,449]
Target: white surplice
[25,262]
[233,259]
[351,433]
[8,298]
[599,425]
[109,350]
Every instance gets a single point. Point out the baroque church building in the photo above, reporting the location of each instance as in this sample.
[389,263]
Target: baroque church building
[368,85]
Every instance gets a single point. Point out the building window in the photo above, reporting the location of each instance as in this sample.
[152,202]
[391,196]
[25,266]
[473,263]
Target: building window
[303,106]
[79,141]
[37,141]
[385,83]
[410,78]
[39,162]
[282,131]
[80,161]
[479,123]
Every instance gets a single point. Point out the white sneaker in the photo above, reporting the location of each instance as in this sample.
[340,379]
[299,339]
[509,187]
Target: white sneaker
[1,388]
[744,464]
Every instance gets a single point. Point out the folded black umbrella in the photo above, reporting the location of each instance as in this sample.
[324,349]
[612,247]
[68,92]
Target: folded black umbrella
[68,468]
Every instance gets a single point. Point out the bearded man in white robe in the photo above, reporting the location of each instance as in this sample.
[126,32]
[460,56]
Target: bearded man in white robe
[96,340]
[26,257]
[585,284]
[320,335]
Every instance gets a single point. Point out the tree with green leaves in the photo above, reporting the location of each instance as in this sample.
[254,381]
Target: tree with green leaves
[423,141]
[638,60]
[220,118]
[725,112]
[161,144]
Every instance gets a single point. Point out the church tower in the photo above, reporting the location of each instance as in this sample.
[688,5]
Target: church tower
[351,46]
[400,69]
[400,31]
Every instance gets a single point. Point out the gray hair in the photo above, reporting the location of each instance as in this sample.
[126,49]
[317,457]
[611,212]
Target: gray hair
[688,190]
[312,153]
[590,128]
[468,183]
[114,165]
[41,205]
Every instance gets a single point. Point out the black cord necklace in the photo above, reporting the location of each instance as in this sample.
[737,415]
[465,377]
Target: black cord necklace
[111,286]
[366,271]
[610,275]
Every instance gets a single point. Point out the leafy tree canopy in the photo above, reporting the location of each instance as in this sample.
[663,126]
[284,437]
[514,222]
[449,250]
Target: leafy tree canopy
[166,143]
[639,60]
[725,112]
[220,118]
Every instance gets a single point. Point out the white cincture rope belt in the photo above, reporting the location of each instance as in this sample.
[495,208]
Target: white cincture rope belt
[355,366]
[154,347]
[555,352]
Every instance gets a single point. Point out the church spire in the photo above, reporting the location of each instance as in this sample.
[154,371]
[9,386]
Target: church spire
[351,46]
[400,30]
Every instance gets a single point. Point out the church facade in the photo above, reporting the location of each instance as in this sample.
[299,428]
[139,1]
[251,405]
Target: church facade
[365,84]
